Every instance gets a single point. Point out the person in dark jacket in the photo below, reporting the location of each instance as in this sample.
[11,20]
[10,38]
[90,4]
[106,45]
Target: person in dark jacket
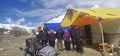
[52,38]
[44,37]
[73,35]
[39,35]
[66,38]
[59,35]
[79,45]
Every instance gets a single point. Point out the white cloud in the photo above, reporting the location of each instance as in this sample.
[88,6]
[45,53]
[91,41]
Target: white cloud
[10,26]
[11,23]
[19,21]
[35,25]
[54,7]
[112,3]
[38,24]
[57,19]
[42,13]
[30,23]
[96,6]
[24,0]
[77,3]
[9,20]
[51,8]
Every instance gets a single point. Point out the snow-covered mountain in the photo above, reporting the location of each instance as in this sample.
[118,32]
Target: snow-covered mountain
[57,19]
[10,26]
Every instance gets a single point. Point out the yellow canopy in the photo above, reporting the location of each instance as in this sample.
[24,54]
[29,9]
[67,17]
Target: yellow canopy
[90,16]
[66,21]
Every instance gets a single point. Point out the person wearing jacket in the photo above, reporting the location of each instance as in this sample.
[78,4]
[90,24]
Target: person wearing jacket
[44,37]
[52,38]
[38,36]
[79,45]
[66,38]
[73,35]
[59,35]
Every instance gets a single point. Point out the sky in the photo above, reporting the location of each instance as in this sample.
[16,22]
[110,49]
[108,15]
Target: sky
[33,13]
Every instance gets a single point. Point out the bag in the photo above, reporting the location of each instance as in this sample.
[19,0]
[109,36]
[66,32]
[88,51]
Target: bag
[32,45]
[47,51]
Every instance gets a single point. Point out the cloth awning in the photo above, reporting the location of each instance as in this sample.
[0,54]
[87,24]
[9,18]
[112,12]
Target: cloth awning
[81,17]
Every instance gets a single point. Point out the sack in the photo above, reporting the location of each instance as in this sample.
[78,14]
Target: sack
[47,51]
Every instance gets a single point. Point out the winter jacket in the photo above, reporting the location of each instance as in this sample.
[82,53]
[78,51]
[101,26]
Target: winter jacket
[44,35]
[72,34]
[59,34]
[52,37]
[66,36]
[78,33]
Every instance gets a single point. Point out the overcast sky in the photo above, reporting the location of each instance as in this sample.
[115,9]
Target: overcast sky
[34,12]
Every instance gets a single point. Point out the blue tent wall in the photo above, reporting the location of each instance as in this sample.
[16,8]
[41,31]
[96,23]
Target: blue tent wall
[65,28]
[54,26]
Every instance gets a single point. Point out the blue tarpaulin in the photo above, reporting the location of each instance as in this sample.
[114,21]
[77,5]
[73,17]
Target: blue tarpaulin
[54,26]
[55,22]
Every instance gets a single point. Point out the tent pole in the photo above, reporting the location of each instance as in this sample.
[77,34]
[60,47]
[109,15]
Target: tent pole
[101,29]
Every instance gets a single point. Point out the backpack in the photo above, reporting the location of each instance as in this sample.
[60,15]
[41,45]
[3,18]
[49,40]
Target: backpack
[32,44]
[47,51]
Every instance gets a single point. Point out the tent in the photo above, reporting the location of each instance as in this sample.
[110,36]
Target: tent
[82,17]
[87,16]
[55,23]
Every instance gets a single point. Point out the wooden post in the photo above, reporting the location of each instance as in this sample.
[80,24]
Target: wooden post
[101,30]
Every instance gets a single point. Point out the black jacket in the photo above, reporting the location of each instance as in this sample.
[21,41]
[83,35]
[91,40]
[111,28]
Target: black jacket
[78,34]
[59,34]
[72,34]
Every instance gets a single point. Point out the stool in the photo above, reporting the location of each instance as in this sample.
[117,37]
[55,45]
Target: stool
[101,46]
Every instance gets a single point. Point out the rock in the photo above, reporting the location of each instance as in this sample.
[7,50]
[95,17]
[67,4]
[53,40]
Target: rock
[1,49]
[4,41]
[8,41]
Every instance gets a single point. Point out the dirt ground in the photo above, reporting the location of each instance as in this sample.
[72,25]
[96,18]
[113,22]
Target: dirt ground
[9,46]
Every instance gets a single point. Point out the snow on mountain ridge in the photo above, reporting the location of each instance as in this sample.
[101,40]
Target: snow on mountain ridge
[10,26]
[57,19]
